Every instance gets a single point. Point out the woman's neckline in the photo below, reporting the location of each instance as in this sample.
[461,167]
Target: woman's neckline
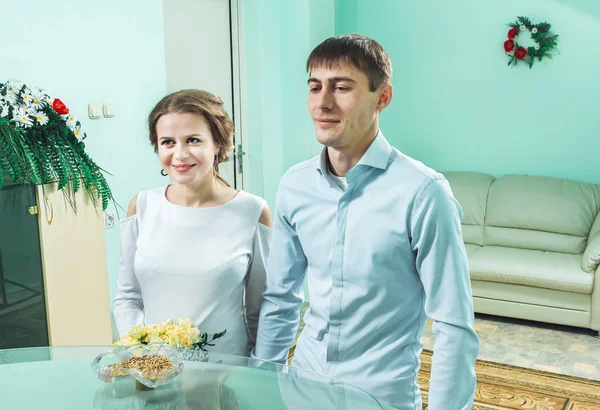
[164,196]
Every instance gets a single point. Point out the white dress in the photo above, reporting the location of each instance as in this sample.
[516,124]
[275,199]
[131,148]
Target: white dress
[179,261]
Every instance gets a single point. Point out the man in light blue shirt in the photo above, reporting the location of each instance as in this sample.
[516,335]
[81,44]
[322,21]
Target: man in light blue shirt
[378,235]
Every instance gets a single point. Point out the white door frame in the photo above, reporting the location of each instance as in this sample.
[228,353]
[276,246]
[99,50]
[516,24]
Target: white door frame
[242,175]
[186,63]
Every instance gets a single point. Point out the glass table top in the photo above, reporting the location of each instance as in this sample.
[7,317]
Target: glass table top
[62,378]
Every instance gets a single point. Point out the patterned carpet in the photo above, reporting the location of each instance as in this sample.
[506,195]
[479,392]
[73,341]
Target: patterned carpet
[501,386]
[505,387]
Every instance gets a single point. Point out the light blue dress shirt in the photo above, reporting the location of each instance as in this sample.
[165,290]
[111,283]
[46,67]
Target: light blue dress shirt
[380,258]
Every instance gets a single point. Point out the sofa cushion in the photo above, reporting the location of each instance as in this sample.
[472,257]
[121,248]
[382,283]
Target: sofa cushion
[471,191]
[471,248]
[530,239]
[562,209]
[530,295]
[549,270]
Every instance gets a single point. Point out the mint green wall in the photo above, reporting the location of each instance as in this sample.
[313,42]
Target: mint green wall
[262,99]
[457,106]
[278,37]
[91,52]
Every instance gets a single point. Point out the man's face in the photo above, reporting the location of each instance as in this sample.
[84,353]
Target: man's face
[343,109]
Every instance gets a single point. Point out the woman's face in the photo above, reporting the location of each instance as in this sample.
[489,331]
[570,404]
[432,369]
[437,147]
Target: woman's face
[186,148]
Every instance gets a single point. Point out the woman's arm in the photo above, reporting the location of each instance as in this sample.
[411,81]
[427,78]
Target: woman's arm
[128,306]
[256,277]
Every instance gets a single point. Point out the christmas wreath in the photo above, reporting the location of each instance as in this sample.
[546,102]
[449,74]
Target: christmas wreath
[545,42]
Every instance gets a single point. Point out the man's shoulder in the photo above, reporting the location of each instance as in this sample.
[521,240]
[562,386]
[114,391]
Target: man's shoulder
[410,169]
[426,183]
[302,170]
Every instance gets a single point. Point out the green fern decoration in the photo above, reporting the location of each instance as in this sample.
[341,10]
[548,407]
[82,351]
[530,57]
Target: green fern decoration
[41,142]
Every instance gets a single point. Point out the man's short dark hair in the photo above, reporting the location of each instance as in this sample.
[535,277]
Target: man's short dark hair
[364,53]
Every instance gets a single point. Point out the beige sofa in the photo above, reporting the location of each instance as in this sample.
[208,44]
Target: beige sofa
[533,245]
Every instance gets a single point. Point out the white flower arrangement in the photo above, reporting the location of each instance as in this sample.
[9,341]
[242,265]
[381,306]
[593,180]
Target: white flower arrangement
[28,107]
[180,333]
[42,142]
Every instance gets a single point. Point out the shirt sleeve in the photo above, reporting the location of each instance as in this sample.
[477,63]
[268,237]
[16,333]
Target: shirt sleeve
[255,280]
[128,306]
[442,264]
[283,295]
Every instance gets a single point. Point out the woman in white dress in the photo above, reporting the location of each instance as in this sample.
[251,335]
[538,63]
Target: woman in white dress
[195,248]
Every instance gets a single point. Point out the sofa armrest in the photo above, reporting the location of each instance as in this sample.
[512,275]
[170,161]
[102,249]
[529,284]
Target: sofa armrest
[595,310]
[591,256]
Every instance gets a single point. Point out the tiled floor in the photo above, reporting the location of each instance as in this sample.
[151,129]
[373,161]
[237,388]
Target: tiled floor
[534,345]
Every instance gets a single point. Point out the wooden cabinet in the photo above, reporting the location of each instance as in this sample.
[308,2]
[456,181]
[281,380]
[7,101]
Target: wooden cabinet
[71,275]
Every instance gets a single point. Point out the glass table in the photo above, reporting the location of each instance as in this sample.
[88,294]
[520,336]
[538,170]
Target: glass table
[62,378]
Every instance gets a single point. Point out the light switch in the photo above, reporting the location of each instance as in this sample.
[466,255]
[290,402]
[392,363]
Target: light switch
[94,111]
[109,109]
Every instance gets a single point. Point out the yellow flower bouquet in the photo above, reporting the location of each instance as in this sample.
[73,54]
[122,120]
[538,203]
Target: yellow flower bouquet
[180,334]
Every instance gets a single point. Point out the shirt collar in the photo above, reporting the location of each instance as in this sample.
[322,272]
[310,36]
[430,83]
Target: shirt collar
[376,156]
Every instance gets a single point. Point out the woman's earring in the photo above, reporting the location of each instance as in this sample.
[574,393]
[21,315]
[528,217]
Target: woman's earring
[163,173]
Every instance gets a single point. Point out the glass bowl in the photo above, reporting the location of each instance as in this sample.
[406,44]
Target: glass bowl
[105,369]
